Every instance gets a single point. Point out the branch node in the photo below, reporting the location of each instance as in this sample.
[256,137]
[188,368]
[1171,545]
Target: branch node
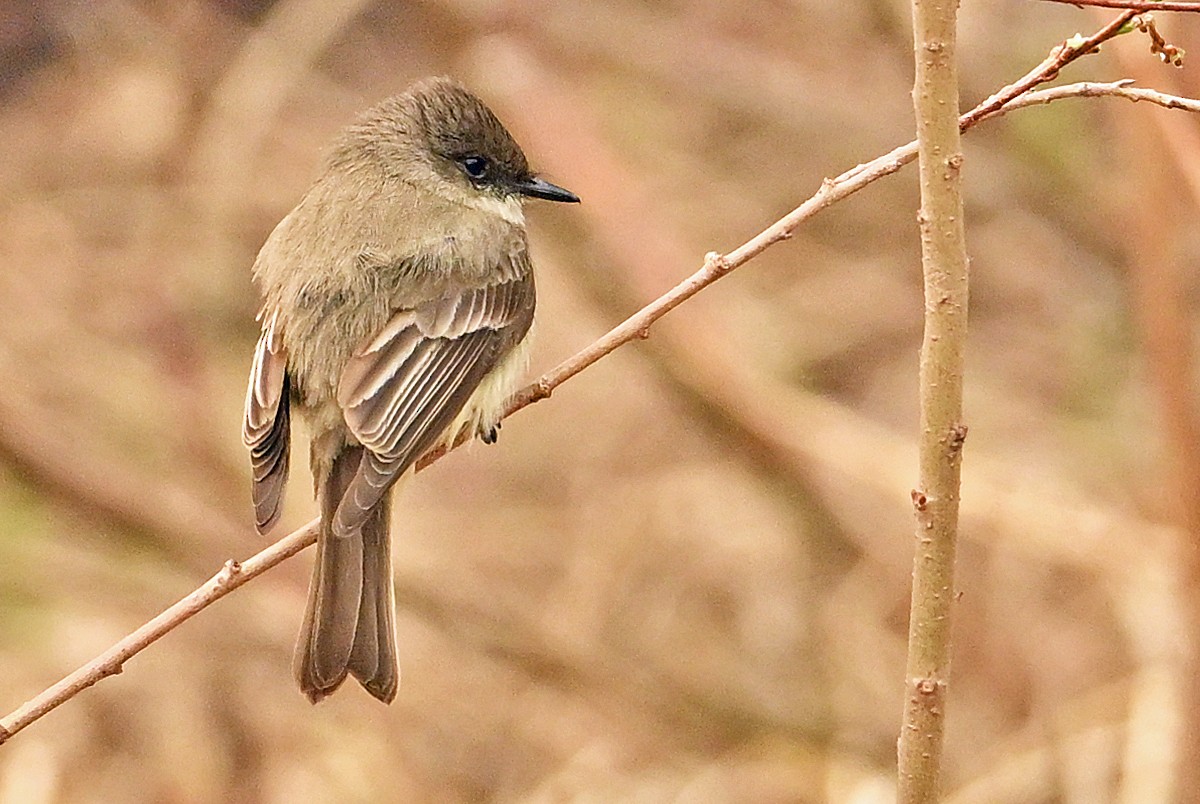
[715,262]
[919,500]
[927,686]
[955,440]
[1078,45]
[228,572]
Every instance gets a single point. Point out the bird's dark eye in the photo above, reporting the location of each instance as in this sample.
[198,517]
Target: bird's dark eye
[476,166]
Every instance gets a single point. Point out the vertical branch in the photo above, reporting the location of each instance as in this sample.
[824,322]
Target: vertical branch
[944,263]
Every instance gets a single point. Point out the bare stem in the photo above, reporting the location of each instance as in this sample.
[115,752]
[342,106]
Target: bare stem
[935,500]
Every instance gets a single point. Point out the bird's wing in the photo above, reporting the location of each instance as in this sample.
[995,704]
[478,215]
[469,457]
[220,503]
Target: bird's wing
[266,425]
[402,390]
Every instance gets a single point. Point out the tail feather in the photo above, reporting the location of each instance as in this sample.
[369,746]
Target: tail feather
[348,624]
[373,658]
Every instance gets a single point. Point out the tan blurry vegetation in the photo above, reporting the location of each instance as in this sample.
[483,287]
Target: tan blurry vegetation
[685,576]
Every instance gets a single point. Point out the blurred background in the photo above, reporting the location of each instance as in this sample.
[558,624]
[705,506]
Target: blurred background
[685,576]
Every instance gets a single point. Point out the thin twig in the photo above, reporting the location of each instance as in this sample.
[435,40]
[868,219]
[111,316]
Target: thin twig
[1048,70]
[636,327]
[1134,5]
[1095,89]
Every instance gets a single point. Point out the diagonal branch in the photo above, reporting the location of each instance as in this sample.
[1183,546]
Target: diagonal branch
[636,327]
[112,661]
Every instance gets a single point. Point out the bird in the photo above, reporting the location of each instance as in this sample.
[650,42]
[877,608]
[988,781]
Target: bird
[398,299]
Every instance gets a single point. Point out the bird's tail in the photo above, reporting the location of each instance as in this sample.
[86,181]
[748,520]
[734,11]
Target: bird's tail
[348,625]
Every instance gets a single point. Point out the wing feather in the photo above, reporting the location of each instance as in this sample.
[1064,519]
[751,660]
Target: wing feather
[408,384]
[266,426]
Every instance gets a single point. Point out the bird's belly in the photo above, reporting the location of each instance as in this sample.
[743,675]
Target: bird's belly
[482,410]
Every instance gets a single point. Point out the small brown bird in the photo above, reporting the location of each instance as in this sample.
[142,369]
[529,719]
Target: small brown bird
[398,298]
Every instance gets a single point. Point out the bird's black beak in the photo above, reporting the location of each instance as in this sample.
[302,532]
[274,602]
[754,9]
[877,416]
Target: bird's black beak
[538,188]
